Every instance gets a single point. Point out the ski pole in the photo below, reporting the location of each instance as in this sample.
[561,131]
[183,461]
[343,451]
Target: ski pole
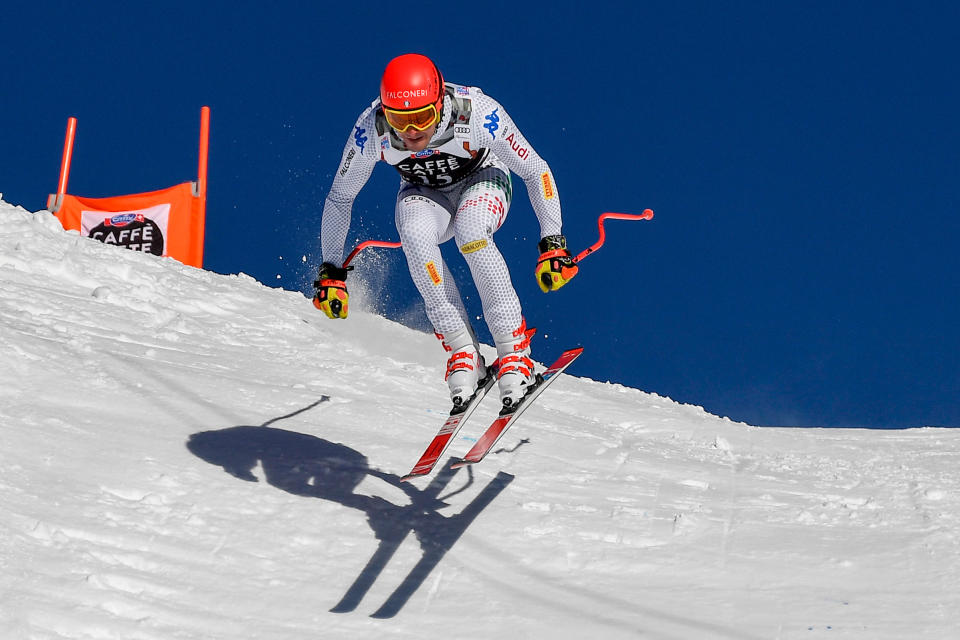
[646,215]
[369,243]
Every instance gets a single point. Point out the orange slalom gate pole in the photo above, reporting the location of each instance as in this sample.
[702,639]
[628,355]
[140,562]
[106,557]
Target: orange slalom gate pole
[65,160]
[646,215]
[204,148]
[199,225]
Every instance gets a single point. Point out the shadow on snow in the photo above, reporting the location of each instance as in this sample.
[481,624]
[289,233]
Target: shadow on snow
[305,465]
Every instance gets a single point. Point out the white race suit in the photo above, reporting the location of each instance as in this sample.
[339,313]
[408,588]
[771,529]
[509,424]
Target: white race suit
[458,187]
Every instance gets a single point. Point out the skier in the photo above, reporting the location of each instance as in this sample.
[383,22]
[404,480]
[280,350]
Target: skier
[454,148]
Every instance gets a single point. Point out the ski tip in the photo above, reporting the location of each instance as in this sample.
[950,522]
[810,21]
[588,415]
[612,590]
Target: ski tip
[411,476]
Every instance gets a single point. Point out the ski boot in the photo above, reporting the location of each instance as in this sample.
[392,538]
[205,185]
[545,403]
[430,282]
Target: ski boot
[465,367]
[515,374]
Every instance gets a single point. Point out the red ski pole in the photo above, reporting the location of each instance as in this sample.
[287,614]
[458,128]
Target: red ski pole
[369,243]
[646,215]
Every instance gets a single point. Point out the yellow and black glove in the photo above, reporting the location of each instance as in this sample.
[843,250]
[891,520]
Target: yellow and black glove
[555,267]
[332,297]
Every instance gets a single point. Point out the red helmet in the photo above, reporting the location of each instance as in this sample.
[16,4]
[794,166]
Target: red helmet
[412,83]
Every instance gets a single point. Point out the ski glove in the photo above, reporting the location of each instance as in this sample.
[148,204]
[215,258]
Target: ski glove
[556,266]
[331,297]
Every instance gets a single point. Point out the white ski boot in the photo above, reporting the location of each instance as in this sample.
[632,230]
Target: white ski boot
[515,373]
[465,367]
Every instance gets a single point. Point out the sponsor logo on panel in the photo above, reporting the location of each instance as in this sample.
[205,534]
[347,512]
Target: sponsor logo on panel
[137,230]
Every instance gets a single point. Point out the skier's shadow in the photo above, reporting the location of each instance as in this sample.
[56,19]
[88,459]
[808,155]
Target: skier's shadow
[305,465]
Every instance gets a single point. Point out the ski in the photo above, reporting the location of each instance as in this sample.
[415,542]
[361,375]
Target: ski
[458,415]
[508,415]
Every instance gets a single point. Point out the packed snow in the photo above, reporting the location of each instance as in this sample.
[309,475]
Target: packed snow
[189,455]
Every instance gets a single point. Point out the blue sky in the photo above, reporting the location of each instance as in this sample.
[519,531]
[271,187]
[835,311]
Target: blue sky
[802,160]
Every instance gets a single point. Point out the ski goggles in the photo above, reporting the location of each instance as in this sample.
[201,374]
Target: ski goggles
[420,119]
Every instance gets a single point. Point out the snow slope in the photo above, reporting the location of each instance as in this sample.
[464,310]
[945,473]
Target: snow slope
[187,455]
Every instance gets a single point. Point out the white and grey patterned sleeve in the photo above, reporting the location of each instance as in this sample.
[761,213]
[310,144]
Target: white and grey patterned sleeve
[495,129]
[360,156]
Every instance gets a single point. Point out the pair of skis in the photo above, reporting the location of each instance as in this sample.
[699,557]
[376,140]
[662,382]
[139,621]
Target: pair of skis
[495,431]
[508,415]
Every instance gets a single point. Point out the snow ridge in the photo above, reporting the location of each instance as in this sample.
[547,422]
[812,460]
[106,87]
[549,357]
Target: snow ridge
[191,455]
